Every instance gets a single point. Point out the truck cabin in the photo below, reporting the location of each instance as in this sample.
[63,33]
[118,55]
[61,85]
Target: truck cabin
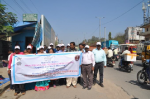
[132,49]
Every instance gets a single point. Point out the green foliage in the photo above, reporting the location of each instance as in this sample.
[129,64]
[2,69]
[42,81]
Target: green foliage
[92,41]
[109,36]
[56,43]
[120,37]
[6,20]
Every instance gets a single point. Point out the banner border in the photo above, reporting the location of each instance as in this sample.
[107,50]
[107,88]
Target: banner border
[42,79]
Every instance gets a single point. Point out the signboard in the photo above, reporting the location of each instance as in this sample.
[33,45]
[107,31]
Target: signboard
[30,17]
[41,67]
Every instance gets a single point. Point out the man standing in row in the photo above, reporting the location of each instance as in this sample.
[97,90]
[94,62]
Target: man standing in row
[52,46]
[100,60]
[72,80]
[18,87]
[87,66]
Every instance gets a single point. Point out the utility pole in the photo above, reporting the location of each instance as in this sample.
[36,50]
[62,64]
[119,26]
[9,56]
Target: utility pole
[105,35]
[100,26]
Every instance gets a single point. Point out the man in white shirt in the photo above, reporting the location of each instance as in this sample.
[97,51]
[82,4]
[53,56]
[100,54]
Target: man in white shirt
[88,63]
[109,53]
[115,51]
[125,52]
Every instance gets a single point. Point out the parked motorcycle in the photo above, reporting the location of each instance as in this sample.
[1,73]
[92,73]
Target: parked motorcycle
[111,62]
[126,65]
[143,75]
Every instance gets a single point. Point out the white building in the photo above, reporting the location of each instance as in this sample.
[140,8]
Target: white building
[132,35]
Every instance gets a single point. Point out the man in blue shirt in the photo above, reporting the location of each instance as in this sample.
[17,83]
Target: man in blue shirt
[100,63]
[81,47]
[52,46]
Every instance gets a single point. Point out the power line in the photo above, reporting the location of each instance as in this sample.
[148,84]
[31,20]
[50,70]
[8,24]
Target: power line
[26,6]
[119,16]
[123,13]
[19,6]
[13,9]
[35,7]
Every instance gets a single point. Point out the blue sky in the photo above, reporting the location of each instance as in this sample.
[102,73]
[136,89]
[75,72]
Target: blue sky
[72,19]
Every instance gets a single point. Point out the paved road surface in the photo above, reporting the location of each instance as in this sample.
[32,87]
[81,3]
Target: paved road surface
[128,81]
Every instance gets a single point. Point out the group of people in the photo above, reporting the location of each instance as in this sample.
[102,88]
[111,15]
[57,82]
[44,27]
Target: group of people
[92,62]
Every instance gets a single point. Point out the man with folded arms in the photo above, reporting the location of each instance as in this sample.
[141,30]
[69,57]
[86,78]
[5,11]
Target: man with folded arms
[18,87]
[87,66]
[100,63]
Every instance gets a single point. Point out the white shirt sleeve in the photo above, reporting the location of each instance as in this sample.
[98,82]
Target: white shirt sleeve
[93,60]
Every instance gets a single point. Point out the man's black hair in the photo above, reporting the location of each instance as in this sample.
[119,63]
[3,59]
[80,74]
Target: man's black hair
[126,48]
[72,43]
[80,44]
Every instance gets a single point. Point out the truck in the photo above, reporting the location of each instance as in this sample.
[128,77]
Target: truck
[131,48]
[139,50]
[146,51]
[110,43]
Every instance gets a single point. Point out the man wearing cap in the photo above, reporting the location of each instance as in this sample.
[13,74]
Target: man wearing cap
[52,46]
[29,49]
[45,49]
[42,50]
[88,63]
[62,48]
[100,63]
[68,46]
[18,87]
[58,47]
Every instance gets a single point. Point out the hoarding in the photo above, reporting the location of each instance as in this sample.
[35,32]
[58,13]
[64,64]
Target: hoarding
[30,17]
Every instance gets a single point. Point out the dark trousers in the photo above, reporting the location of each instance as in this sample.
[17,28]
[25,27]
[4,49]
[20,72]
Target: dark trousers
[19,88]
[100,67]
[11,86]
[87,74]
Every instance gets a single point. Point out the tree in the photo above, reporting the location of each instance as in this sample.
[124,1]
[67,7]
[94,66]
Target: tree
[7,19]
[92,41]
[120,37]
[109,36]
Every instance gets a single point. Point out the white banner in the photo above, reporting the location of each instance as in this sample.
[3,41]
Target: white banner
[40,67]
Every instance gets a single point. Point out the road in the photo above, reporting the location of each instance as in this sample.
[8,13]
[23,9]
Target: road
[128,81]
[118,85]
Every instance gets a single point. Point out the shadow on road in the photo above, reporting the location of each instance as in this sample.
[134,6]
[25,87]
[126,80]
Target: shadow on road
[121,70]
[145,86]
[139,65]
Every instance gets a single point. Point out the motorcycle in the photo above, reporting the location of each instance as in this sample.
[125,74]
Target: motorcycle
[143,75]
[111,62]
[126,65]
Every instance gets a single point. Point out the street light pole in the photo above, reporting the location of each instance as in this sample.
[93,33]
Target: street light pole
[100,26]
[105,35]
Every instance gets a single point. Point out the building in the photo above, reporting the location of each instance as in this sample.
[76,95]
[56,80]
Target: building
[146,22]
[146,32]
[30,31]
[132,35]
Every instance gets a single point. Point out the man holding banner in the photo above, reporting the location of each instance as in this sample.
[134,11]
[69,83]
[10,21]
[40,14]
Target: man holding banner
[18,87]
[42,67]
[72,80]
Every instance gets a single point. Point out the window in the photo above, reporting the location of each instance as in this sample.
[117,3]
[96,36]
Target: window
[147,29]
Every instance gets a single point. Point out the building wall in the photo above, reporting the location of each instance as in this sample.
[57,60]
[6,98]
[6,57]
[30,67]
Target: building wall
[21,38]
[131,34]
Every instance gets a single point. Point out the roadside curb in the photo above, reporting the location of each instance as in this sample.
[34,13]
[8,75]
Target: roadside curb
[5,87]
